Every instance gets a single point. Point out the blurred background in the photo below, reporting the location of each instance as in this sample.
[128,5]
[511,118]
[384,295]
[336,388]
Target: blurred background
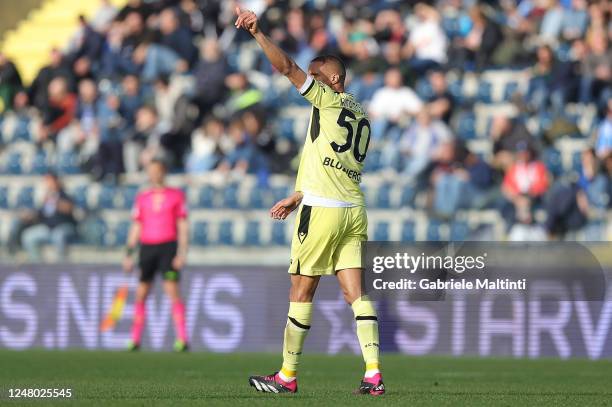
[490,120]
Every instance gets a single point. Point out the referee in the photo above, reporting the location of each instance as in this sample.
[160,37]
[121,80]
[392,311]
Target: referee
[160,233]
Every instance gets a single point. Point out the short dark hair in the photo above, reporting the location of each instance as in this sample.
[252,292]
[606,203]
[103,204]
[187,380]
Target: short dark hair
[339,65]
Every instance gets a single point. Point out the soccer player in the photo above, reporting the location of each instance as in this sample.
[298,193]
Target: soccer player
[160,227]
[331,222]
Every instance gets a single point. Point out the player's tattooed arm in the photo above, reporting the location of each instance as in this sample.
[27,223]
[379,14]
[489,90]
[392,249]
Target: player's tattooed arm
[284,207]
[278,58]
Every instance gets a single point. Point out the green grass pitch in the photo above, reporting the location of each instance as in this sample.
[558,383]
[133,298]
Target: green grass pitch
[160,379]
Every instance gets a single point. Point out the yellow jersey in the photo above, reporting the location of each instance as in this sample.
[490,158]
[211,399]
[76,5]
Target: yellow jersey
[336,145]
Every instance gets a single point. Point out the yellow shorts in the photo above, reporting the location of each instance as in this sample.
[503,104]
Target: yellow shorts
[326,240]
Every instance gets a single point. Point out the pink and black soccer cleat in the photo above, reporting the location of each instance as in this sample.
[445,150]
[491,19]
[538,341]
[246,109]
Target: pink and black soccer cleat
[372,385]
[273,384]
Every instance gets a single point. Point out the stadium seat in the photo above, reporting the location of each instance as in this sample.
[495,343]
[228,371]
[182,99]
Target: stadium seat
[381,231]
[483,94]
[39,163]
[106,199]
[68,164]
[433,231]
[552,159]
[383,197]
[424,90]
[230,196]
[128,196]
[226,233]
[14,165]
[510,90]
[408,195]
[408,234]
[456,90]
[280,192]
[22,130]
[466,126]
[459,231]
[25,198]
[257,198]
[93,231]
[3,197]
[278,234]
[121,233]
[285,128]
[252,235]
[79,196]
[372,163]
[200,233]
[206,197]
[576,161]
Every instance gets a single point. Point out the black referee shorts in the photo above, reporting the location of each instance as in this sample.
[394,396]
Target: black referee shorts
[158,258]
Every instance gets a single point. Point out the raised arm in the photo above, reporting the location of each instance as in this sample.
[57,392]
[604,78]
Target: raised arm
[278,58]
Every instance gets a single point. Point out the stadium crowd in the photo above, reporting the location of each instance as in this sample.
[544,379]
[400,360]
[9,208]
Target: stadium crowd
[174,78]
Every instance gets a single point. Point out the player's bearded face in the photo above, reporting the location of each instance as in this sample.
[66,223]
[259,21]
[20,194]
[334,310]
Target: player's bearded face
[314,70]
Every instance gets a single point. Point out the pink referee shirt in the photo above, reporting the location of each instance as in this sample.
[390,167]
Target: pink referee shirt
[157,211]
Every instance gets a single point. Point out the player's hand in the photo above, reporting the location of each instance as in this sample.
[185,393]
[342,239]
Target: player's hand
[247,20]
[128,264]
[178,262]
[284,207]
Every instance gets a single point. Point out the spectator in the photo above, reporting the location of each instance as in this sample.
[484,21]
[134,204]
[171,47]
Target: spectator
[575,21]
[243,153]
[145,143]
[10,82]
[242,94]
[551,83]
[131,99]
[175,37]
[391,103]
[104,15]
[426,46]
[157,60]
[413,152]
[459,180]
[441,103]
[207,146]
[476,48]
[54,222]
[604,135]
[595,69]
[552,22]
[506,134]
[59,111]
[210,73]
[58,67]
[524,185]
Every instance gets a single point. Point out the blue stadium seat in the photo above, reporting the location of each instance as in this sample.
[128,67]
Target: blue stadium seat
[4,197]
[106,199]
[423,89]
[121,233]
[483,94]
[252,235]
[280,192]
[408,195]
[381,232]
[372,162]
[79,196]
[93,231]
[200,233]
[14,165]
[22,130]
[206,197]
[459,231]
[552,159]
[466,126]
[509,90]
[39,163]
[408,234]
[230,196]
[257,198]
[68,163]
[456,90]
[433,231]
[226,233]
[286,129]
[25,198]
[576,161]
[128,195]
[383,197]
[278,234]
